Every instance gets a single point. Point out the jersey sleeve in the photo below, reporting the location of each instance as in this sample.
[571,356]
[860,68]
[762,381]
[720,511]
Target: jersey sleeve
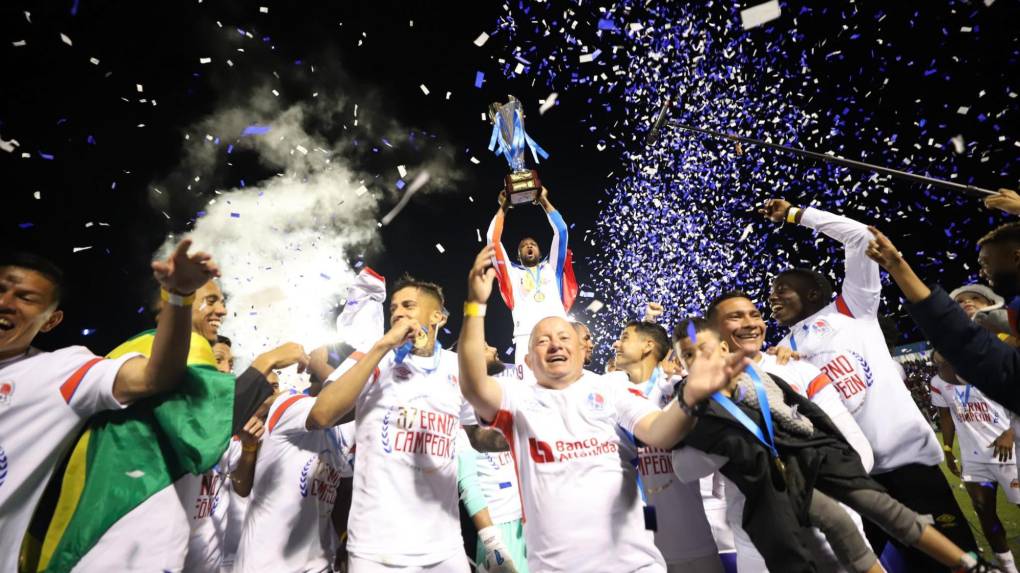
[88,388]
[500,261]
[937,398]
[504,420]
[467,414]
[349,363]
[862,285]
[630,408]
[558,247]
[342,443]
[289,415]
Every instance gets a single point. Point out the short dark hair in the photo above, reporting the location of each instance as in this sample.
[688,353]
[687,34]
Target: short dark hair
[1008,233]
[220,339]
[41,265]
[713,307]
[431,289]
[811,279]
[681,328]
[655,332]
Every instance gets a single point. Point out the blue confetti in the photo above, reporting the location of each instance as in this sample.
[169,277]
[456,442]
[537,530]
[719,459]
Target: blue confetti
[255,130]
[479,78]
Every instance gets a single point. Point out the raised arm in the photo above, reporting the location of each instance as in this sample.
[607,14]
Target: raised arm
[500,261]
[479,389]
[338,398]
[179,277]
[862,286]
[561,236]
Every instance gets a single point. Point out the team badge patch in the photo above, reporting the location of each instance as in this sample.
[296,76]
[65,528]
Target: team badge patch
[6,392]
[402,373]
[821,327]
[596,401]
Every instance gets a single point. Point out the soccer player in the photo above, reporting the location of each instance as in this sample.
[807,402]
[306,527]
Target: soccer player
[986,450]
[46,397]
[683,533]
[409,411]
[568,433]
[842,337]
[537,287]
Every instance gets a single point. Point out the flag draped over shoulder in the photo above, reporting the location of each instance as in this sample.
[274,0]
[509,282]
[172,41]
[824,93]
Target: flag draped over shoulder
[125,457]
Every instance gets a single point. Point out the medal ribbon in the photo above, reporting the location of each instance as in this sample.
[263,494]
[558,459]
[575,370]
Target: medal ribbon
[404,349]
[513,150]
[745,420]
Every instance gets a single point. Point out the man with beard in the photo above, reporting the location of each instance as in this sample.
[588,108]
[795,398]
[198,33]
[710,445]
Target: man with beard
[537,287]
[843,338]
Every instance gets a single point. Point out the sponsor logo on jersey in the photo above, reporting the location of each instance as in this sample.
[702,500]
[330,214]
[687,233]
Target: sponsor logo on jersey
[402,373]
[596,402]
[6,392]
[566,450]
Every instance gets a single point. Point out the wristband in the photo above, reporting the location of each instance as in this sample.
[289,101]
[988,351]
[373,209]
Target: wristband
[474,309]
[175,299]
[791,214]
[250,449]
[948,449]
[693,411]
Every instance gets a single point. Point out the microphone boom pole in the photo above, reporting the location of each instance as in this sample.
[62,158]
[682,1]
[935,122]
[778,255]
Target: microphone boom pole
[841,161]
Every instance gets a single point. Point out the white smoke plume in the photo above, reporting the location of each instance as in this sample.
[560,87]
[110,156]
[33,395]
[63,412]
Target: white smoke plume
[284,243]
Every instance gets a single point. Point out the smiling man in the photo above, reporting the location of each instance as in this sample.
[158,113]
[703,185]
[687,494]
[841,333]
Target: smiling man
[537,287]
[843,338]
[46,397]
[570,435]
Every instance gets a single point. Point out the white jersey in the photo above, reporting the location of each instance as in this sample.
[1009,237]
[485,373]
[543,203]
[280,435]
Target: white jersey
[45,399]
[206,500]
[405,509]
[289,524]
[497,472]
[237,509]
[846,342]
[577,473]
[815,385]
[678,506]
[979,420]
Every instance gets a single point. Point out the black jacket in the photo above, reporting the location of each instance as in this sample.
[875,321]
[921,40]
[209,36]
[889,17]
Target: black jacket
[975,353]
[776,510]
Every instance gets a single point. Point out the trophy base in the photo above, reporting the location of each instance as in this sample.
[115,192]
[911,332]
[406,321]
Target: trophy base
[522,187]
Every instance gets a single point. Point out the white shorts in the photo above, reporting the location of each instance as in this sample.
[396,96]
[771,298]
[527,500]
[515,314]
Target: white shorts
[1003,474]
[456,564]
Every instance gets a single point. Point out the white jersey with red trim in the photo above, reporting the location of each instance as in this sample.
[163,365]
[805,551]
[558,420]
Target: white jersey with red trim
[846,342]
[979,420]
[405,511]
[237,509]
[678,506]
[45,399]
[497,473]
[810,382]
[289,525]
[582,506]
[206,500]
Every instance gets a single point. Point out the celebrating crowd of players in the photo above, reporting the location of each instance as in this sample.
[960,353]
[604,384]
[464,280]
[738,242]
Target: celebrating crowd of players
[698,450]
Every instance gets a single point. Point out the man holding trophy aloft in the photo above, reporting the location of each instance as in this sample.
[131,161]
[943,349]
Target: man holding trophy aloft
[537,287]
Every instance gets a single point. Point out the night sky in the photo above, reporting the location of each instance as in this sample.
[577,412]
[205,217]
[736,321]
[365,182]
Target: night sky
[96,151]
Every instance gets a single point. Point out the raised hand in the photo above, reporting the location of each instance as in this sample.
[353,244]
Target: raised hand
[251,433]
[481,275]
[1007,200]
[882,251]
[711,371]
[775,210]
[182,273]
[653,311]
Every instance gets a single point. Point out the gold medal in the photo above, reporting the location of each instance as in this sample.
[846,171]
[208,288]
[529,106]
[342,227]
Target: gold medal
[780,467]
[421,340]
[539,296]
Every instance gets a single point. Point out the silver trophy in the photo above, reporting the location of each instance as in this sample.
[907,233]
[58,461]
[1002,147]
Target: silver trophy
[522,184]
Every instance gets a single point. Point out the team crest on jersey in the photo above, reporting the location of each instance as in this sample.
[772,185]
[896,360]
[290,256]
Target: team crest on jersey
[821,326]
[6,392]
[596,401]
[402,373]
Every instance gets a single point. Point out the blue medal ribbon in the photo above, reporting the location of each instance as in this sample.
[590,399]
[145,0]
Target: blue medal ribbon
[401,353]
[513,150]
[745,420]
